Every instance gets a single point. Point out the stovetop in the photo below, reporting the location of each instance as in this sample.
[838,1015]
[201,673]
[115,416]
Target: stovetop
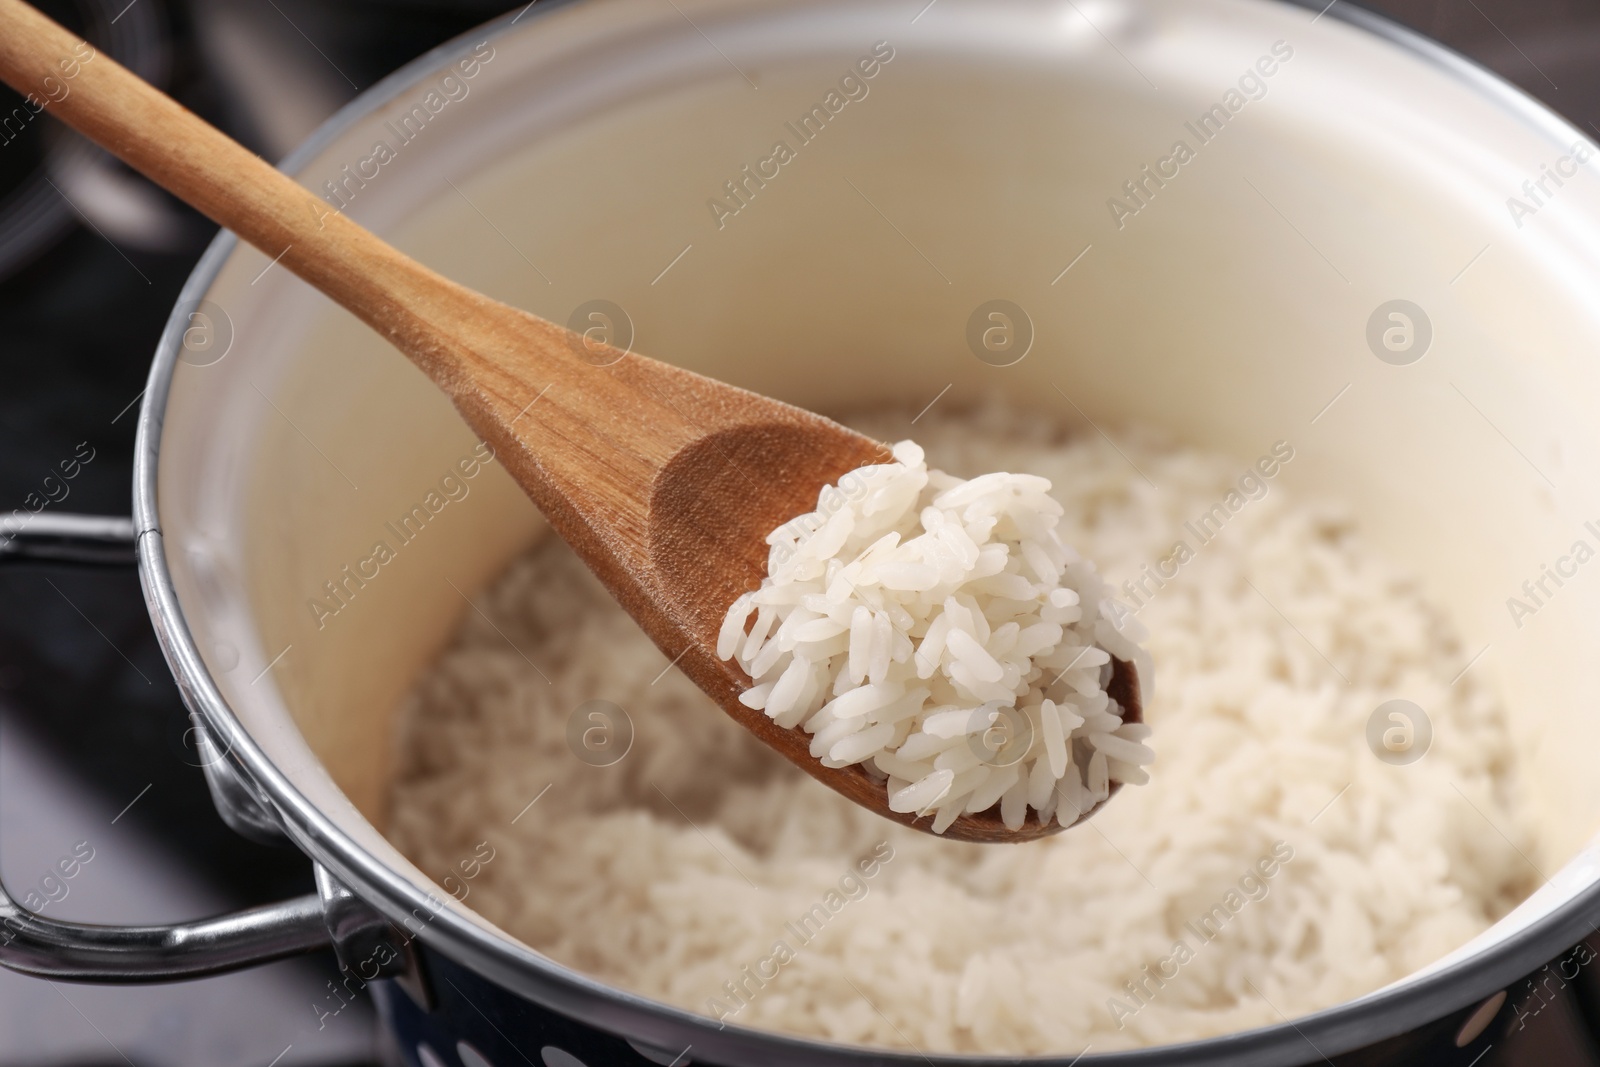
[95,749]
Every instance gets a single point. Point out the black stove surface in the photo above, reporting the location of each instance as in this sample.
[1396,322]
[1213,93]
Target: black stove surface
[94,744]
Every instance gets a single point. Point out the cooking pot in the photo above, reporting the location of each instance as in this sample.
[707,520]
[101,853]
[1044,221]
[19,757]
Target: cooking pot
[1370,248]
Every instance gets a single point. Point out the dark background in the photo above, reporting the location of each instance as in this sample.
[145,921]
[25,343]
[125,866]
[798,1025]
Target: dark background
[93,740]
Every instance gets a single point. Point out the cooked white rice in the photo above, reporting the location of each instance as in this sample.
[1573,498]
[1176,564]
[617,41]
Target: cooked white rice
[675,871]
[941,633]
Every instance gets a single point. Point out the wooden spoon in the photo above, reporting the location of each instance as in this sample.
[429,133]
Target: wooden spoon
[665,482]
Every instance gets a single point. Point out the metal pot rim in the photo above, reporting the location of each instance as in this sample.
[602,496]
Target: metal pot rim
[1332,1031]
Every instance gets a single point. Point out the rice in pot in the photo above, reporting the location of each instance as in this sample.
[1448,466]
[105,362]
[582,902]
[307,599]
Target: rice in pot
[1273,863]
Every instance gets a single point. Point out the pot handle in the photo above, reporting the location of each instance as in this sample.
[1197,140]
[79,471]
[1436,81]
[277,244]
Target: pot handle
[86,540]
[79,952]
[48,948]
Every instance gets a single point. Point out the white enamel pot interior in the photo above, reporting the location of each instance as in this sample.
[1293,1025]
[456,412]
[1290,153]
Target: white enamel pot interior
[577,162]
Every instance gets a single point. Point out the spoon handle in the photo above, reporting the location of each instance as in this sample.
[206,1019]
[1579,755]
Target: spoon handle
[595,446]
[591,453]
[407,303]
